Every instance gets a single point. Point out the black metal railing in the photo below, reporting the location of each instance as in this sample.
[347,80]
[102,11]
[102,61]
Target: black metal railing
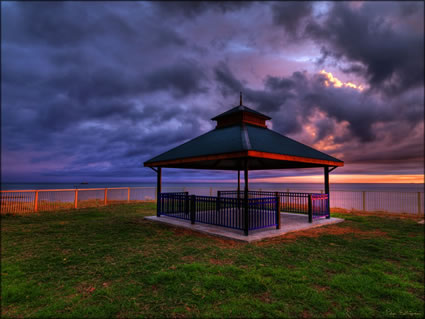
[229,209]
[320,206]
[225,212]
[222,211]
[291,202]
[263,212]
[175,205]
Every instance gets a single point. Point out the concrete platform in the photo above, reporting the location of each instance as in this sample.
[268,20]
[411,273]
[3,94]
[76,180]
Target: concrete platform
[290,223]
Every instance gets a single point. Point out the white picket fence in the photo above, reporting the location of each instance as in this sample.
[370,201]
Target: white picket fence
[27,201]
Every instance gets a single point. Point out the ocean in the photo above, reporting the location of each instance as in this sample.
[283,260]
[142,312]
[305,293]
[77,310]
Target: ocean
[265,186]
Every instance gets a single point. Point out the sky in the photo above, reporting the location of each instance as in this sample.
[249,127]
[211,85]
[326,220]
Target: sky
[91,90]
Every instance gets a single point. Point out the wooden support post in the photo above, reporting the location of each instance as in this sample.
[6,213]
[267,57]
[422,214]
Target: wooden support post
[277,210]
[106,197]
[210,191]
[76,199]
[128,195]
[192,209]
[246,205]
[36,201]
[158,192]
[326,169]
[364,200]
[419,203]
[310,209]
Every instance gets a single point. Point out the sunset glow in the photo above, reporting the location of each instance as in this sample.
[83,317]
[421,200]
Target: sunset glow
[346,178]
[337,83]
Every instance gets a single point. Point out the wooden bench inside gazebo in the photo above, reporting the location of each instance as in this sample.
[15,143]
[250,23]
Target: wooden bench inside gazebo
[241,141]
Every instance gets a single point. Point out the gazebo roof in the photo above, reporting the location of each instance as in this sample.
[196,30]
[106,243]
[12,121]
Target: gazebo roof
[241,134]
[240,108]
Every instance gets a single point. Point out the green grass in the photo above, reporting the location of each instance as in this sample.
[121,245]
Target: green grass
[110,262]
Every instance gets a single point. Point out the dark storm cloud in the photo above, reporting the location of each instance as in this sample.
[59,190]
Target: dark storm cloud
[182,79]
[229,84]
[291,15]
[275,83]
[227,81]
[192,9]
[64,24]
[81,82]
[379,46]
[324,128]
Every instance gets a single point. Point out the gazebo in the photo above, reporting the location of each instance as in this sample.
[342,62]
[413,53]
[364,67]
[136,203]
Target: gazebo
[241,141]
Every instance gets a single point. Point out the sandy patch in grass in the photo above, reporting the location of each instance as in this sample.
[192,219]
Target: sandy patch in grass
[328,230]
[377,214]
[188,259]
[219,241]
[320,288]
[265,297]
[221,261]
[184,232]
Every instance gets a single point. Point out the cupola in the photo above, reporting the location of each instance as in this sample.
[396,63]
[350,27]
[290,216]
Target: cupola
[239,115]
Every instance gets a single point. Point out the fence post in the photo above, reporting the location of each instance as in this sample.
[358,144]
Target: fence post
[246,214]
[128,195]
[76,199]
[218,201]
[192,209]
[186,203]
[36,202]
[328,201]
[364,200]
[159,206]
[419,203]
[106,196]
[277,210]
[310,209]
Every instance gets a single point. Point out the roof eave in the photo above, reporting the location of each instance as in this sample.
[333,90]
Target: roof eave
[265,117]
[244,154]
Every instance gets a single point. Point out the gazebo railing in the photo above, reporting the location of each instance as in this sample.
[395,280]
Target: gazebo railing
[320,206]
[291,202]
[263,212]
[221,211]
[175,205]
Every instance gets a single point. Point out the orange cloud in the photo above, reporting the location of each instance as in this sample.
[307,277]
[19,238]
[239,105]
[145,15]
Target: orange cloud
[337,83]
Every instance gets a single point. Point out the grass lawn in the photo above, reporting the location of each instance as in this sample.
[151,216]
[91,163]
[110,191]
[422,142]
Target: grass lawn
[110,262]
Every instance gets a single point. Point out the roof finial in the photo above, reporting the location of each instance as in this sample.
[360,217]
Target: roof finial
[241,98]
